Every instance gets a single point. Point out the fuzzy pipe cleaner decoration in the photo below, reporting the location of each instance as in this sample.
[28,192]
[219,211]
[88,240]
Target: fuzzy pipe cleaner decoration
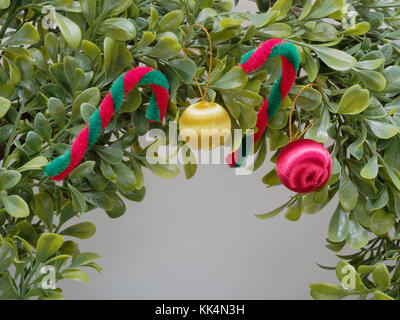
[59,168]
[255,59]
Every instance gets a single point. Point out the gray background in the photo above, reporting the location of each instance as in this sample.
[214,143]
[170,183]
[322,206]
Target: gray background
[199,239]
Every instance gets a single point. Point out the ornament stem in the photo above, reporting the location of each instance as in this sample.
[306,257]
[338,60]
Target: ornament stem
[203,96]
[292,109]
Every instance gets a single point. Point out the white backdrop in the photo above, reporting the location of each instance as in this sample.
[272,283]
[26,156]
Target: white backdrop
[199,239]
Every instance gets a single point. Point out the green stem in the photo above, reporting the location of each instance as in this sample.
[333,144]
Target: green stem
[382,6]
[25,286]
[12,14]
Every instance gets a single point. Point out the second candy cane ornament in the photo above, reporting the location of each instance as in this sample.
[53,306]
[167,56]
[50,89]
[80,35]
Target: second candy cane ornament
[305,165]
[252,61]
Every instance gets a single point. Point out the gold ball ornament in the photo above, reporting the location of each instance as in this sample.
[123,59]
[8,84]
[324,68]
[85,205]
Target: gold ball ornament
[205,125]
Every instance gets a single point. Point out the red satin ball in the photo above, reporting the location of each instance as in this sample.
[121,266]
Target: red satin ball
[304,166]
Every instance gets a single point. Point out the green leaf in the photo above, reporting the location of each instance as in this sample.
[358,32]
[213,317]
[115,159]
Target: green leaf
[118,28]
[47,245]
[391,156]
[271,178]
[83,259]
[184,68]
[90,95]
[85,169]
[370,64]
[67,213]
[379,295]
[294,210]
[373,80]
[381,276]
[309,99]
[78,201]
[319,130]
[358,29]
[33,141]
[51,45]
[234,79]
[15,74]
[69,29]
[7,288]
[132,102]
[153,19]
[348,194]
[99,199]
[327,291]
[190,167]
[89,10]
[109,154]
[115,7]
[354,101]
[262,20]
[278,30]
[27,231]
[26,35]
[4,4]
[165,171]
[357,236]
[335,59]
[283,6]
[205,14]
[392,175]
[310,66]
[392,75]
[323,8]
[126,180]
[271,214]
[15,206]
[322,32]
[35,164]
[136,195]
[116,58]
[370,170]
[339,226]
[42,126]
[75,274]
[9,179]
[118,207]
[166,48]
[382,129]
[248,118]
[44,208]
[382,222]
[86,111]
[82,230]
[5,105]
[171,21]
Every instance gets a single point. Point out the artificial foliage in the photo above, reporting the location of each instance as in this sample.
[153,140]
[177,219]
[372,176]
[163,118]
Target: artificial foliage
[60,57]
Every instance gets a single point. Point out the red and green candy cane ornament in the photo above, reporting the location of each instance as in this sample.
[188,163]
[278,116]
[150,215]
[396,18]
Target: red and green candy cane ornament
[305,165]
[62,166]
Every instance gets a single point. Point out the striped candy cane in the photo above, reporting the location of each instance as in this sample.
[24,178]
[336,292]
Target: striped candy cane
[62,166]
[252,61]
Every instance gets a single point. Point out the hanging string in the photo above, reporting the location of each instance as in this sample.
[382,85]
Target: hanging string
[292,109]
[203,96]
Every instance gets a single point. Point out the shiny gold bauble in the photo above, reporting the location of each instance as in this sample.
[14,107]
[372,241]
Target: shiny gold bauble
[205,125]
